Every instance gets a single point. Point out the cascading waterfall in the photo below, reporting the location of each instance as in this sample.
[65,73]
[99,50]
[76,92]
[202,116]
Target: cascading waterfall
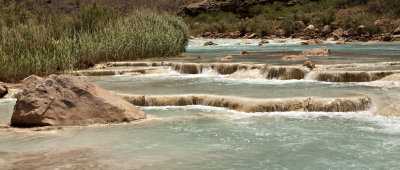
[309,104]
[237,70]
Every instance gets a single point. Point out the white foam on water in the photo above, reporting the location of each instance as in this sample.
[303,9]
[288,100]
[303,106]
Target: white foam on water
[8,100]
[381,124]
[241,42]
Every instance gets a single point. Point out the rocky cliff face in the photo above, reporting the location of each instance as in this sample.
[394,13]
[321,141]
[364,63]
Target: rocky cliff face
[236,6]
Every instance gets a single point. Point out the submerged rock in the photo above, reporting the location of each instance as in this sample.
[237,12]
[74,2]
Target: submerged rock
[294,57]
[244,52]
[209,43]
[280,41]
[226,58]
[322,51]
[262,42]
[70,100]
[3,90]
[314,42]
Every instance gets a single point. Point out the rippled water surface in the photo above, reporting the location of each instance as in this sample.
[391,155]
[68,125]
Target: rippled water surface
[202,137]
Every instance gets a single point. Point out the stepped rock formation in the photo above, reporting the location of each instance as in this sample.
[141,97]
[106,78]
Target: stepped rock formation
[69,100]
[309,104]
[329,73]
[349,76]
[236,6]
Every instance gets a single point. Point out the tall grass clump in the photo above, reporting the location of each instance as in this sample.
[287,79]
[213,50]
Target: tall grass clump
[39,48]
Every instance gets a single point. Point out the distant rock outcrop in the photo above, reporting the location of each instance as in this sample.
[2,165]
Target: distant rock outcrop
[70,100]
[236,6]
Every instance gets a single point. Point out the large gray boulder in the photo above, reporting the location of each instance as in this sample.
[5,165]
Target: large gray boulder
[70,100]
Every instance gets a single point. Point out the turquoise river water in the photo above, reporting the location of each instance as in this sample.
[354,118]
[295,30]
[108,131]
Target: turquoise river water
[205,137]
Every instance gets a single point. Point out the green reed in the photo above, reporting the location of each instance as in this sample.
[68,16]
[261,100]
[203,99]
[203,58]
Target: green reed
[33,48]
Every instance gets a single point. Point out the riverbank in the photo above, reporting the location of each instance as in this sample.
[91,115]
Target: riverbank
[33,46]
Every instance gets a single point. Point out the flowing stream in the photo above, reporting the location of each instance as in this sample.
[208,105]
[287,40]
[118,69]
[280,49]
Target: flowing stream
[254,112]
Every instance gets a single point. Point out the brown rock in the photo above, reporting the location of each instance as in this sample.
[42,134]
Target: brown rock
[338,33]
[226,58]
[309,28]
[3,90]
[340,42]
[396,31]
[314,42]
[280,41]
[234,35]
[349,32]
[31,79]
[300,25]
[70,100]
[235,6]
[262,42]
[322,51]
[252,36]
[244,52]
[303,43]
[326,30]
[294,57]
[279,32]
[361,30]
[309,64]
[209,43]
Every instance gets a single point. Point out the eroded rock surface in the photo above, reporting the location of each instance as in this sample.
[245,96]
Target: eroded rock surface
[236,6]
[70,100]
[3,90]
[322,51]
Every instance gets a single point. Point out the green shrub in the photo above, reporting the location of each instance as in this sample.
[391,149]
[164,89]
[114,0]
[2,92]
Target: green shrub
[33,47]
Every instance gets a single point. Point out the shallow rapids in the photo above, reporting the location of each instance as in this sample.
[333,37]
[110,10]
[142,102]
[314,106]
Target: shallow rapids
[329,73]
[349,104]
[254,112]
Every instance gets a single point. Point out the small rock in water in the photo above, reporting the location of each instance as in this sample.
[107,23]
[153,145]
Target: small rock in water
[340,42]
[209,43]
[244,52]
[302,43]
[226,58]
[314,42]
[69,100]
[294,57]
[322,51]
[309,64]
[280,41]
[262,42]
